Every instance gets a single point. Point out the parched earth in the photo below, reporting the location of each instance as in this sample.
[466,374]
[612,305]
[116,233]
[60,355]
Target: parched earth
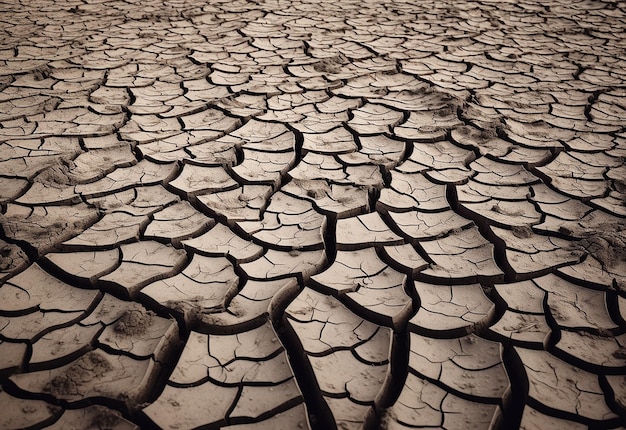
[312,214]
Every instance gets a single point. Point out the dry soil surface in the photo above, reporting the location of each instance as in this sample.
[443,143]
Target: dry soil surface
[312,214]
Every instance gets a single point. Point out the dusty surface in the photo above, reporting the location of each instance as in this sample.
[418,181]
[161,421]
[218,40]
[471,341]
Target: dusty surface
[295,214]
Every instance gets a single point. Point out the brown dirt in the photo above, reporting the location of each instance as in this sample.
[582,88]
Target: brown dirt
[330,65]
[58,174]
[134,321]
[607,246]
[497,209]
[90,366]
[522,231]
[190,309]
[11,256]
[41,73]
[315,193]
[105,419]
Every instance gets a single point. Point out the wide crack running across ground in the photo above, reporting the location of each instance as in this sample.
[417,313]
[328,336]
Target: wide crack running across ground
[323,215]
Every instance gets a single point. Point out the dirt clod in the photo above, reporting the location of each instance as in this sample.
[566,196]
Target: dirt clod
[41,73]
[331,64]
[620,353]
[58,174]
[134,321]
[608,246]
[105,418]
[522,231]
[90,366]
[315,193]
[497,209]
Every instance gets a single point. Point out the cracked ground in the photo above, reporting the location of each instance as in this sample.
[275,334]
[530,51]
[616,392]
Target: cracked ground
[312,214]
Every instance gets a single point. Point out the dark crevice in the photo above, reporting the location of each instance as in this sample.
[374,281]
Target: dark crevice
[32,253]
[614,400]
[399,370]
[330,239]
[119,405]
[499,251]
[456,392]
[284,407]
[592,424]
[555,330]
[513,406]
[320,416]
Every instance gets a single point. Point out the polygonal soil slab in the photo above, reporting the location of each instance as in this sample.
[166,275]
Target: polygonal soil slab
[348,356]
[288,223]
[204,286]
[220,379]
[446,310]
[462,255]
[424,404]
[369,284]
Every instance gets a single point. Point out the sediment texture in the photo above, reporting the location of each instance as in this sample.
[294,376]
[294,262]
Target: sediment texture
[312,214]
